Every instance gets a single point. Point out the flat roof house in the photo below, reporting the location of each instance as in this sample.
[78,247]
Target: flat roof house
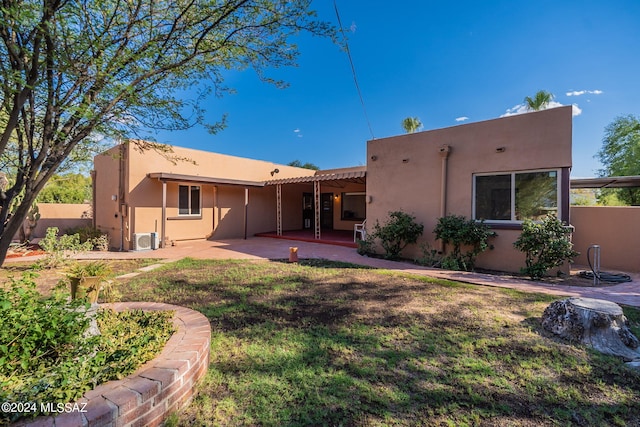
[210,195]
[502,170]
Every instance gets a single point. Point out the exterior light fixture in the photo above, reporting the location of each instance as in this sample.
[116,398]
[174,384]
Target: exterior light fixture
[275,171]
[114,197]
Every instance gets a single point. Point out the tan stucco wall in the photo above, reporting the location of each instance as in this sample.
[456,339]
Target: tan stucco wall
[105,181]
[140,198]
[62,215]
[615,228]
[405,172]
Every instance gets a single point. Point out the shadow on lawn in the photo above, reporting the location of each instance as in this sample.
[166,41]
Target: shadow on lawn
[352,347]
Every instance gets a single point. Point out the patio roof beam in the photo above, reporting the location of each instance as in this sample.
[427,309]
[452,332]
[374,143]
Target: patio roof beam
[174,177]
[606,182]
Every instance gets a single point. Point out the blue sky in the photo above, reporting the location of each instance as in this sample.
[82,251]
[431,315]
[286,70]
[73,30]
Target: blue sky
[448,63]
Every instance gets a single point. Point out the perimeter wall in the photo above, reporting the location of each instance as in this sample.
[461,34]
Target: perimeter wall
[615,228]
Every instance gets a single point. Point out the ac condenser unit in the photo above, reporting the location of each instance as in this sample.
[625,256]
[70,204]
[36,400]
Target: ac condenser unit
[142,241]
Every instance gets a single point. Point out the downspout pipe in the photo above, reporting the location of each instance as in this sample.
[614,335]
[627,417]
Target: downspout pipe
[444,152]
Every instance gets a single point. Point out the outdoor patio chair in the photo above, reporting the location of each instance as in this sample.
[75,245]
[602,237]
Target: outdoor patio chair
[360,228]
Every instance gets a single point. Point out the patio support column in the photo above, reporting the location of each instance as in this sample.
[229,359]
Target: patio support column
[163,223]
[246,210]
[279,209]
[316,208]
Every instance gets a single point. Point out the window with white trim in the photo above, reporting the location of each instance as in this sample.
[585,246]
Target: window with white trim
[516,196]
[189,200]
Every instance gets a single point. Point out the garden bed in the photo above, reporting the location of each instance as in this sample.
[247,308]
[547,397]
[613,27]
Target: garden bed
[159,387]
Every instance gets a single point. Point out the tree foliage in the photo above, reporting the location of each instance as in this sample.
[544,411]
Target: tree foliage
[540,100]
[299,164]
[620,155]
[68,188]
[73,72]
[411,124]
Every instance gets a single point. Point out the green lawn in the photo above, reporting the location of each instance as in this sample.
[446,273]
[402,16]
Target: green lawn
[327,344]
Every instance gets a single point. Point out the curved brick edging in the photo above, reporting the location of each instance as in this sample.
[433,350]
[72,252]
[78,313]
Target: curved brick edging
[159,387]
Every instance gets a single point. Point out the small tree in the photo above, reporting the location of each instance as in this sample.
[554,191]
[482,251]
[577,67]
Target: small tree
[400,230]
[462,233]
[546,244]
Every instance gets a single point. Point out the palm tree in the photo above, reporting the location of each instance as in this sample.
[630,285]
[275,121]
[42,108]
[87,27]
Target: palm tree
[411,124]
[539,102]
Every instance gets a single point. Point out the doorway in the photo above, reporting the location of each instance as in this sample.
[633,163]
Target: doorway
[326,211]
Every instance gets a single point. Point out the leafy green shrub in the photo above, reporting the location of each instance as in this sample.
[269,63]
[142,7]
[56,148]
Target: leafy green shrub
[397,233]
[36,335]
[365,247]
[429,257]
[60,248]
[546,244]
[45,355]
[98,239]
[462,233]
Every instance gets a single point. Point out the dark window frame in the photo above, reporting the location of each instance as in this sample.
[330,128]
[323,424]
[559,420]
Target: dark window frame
[354,215]
[514,197]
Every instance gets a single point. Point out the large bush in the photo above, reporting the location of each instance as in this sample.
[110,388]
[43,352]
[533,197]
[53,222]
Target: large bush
[546,244]
[399,231]
[468,238]
[45,356]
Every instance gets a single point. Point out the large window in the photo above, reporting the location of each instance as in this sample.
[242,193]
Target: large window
[189,200]
[354,206]
[516,196]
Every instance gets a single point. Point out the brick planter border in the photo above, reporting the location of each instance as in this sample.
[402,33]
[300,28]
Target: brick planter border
[159,387]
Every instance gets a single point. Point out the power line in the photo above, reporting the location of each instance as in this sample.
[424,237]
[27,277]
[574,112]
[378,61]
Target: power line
[353,69]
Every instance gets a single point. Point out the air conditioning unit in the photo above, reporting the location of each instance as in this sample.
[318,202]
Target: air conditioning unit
[143,241]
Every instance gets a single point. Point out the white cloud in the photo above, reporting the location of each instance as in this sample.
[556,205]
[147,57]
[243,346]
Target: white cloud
[462,119]
[576,110]
[583,92]
[297,132]
[522,108]
[517,109]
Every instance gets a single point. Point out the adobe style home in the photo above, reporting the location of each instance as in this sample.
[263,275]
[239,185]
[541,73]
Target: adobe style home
[502,170]
[217,196]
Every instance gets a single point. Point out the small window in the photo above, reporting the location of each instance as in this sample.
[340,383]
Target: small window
[189,200]
[516,196]
[354,206]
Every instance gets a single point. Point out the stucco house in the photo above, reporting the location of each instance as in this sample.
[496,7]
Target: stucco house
[502,171]
[210,195]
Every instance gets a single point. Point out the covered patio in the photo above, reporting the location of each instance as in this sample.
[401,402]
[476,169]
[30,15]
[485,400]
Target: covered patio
[322,221]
